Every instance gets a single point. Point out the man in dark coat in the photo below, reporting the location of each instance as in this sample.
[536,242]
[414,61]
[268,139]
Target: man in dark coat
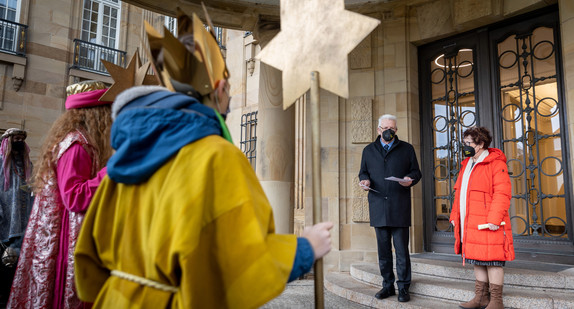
[390,202]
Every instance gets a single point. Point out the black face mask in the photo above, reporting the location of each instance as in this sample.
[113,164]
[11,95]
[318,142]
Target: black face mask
[468,151]
[226,113]
[18,146]
[388,135]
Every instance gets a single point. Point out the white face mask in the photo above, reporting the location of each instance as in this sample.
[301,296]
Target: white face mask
[224,115]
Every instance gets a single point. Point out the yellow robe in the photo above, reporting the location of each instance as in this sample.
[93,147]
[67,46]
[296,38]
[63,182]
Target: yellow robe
[201,223]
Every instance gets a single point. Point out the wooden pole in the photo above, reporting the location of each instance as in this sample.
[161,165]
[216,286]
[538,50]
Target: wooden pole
[316,161]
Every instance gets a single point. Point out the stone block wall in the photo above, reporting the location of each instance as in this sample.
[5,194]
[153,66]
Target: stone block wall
[32,88]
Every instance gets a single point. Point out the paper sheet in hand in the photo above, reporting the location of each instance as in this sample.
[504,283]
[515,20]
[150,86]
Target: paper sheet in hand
[368,188]
[393,178]
[485,226]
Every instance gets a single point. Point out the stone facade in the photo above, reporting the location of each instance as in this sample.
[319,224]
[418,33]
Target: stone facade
[33,87]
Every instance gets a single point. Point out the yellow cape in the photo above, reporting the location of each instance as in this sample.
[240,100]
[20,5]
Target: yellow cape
[201,223]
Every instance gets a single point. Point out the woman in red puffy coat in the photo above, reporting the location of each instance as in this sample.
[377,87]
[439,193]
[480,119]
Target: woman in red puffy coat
[482,197]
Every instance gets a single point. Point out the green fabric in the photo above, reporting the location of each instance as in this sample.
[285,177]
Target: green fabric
[224,128]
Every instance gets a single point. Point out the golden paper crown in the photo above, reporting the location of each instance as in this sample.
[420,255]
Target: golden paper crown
[172,60]
[85,86]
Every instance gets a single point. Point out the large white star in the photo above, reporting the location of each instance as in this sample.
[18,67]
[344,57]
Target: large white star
[316,35]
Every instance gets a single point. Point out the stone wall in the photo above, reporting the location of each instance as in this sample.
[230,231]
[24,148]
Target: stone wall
[39,100]
[32,88]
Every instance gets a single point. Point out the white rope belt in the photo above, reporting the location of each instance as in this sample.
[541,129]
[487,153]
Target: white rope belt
[144,281]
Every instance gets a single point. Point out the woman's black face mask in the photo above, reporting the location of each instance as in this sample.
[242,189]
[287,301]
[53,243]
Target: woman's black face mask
[388,135]
[468,151]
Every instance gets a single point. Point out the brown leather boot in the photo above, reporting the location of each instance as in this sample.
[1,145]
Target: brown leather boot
[481,297]
[495,297]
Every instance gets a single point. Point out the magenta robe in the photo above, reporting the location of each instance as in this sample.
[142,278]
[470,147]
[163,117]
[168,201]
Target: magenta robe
[44,277]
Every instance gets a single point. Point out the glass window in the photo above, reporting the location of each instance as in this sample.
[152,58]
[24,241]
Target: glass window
[454,111]
[532,136]
[100,22]
[10,10]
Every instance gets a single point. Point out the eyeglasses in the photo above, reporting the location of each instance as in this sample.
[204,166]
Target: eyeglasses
[387,128]
[467,143]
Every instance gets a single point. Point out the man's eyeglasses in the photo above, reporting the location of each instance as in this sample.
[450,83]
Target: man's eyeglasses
[387,128]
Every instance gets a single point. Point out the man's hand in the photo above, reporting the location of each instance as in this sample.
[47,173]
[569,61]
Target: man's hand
[365,184]
[319,237]
[407,181]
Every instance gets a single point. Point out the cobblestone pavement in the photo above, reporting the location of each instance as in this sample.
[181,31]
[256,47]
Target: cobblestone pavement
[301,294]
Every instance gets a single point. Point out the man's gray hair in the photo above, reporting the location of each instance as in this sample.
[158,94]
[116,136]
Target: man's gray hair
[389,117]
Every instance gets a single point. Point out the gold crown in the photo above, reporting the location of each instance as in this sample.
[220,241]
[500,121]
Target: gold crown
[172,60]
[85,86]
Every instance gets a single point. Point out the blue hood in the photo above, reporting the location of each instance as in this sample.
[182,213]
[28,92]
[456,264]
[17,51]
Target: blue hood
[152,128]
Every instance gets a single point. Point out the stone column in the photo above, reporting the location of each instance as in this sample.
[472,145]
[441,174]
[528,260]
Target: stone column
[275,148]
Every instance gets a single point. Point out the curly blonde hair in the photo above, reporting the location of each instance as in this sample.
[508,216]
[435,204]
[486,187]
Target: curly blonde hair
[94,122]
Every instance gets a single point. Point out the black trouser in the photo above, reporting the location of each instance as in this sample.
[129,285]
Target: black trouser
[400,237]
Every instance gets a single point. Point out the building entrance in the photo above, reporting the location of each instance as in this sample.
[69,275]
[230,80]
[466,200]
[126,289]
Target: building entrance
[507,78]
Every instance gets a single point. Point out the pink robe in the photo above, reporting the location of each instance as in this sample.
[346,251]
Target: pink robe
[45,278]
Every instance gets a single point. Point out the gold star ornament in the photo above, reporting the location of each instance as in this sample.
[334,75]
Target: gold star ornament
[316,35]
[134,75]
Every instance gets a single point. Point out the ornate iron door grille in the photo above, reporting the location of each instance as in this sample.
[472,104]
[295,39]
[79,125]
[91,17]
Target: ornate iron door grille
[532,135]
[454,110]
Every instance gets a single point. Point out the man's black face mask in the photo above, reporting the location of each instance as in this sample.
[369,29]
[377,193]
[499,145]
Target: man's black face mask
[388,135]
[18,146]
[226,112]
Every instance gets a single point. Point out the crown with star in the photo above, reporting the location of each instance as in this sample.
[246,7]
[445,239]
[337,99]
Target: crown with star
[193,59]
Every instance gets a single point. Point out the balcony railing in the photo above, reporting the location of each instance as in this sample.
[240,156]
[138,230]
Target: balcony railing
[87,57]
[13,37]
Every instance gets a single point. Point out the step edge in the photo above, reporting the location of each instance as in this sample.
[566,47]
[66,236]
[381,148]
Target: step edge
[516,295]
[556,281]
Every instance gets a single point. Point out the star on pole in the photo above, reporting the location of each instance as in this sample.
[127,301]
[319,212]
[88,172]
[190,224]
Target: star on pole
[316,35]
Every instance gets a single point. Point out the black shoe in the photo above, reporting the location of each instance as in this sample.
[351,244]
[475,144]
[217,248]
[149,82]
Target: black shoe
[385,292]
[404,295]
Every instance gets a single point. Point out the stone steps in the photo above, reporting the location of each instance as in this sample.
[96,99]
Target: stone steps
[444,284]
[343,285]
[513,277]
